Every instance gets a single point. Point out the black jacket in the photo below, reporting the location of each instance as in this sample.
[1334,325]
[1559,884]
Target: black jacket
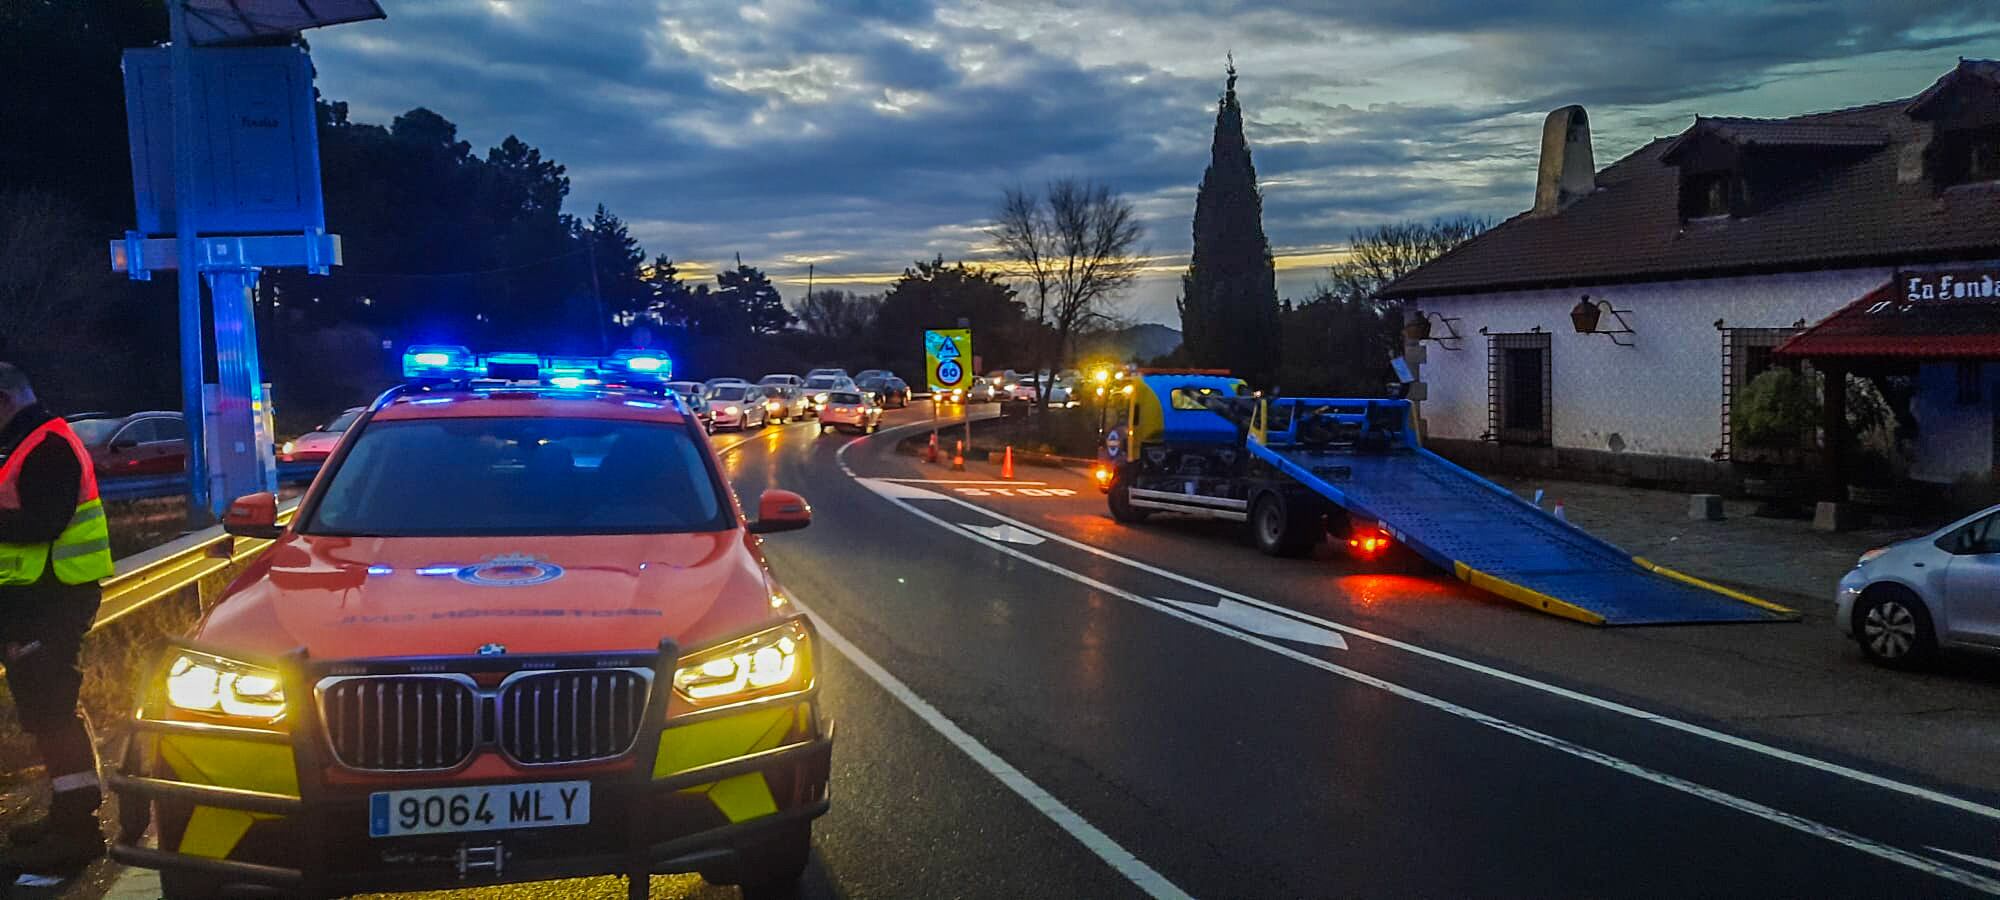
[50,477]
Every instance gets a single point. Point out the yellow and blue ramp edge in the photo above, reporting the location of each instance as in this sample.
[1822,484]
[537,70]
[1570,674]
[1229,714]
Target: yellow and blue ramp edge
[1493,540]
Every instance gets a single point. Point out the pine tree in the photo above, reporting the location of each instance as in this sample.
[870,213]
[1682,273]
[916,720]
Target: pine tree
[1229,296]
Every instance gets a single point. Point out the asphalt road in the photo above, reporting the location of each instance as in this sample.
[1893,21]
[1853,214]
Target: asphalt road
[1035,702]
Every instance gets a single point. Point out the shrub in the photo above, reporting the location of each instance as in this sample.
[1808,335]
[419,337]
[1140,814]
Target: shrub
[1779,409]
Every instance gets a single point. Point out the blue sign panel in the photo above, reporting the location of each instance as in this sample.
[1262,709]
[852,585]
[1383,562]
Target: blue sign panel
[256,140]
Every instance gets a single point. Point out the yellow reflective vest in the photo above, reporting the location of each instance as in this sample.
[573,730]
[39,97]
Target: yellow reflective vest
[82,553]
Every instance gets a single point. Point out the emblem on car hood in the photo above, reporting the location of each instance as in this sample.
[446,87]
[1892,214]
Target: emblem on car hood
[510,570]
[492,649]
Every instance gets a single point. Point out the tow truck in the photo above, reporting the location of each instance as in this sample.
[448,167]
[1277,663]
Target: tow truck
[1201,443]
[520,628]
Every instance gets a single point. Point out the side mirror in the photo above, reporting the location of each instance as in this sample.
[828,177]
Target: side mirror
[781,511]
[319,427]
[253,516]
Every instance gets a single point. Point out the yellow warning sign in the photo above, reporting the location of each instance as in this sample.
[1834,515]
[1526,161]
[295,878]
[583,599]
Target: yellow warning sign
[948,359]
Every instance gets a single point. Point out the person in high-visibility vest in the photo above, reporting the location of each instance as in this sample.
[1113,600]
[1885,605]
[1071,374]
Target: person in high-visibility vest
[54,547]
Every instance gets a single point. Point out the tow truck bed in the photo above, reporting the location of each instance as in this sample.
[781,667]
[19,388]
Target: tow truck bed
[1484,534]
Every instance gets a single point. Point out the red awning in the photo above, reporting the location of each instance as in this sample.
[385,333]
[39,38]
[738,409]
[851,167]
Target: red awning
[1888,323]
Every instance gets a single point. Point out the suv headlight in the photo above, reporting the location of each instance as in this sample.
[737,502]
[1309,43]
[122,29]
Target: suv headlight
[201,683]
[775,661]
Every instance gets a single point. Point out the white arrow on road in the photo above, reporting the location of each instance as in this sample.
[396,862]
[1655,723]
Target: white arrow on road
[1260,622]
[1007,533]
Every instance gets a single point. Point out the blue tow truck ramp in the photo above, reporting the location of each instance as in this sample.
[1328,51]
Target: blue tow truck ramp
[1363,455]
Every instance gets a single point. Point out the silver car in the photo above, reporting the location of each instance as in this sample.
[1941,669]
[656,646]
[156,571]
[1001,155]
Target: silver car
[1904,601]
[850,410]
[738,406]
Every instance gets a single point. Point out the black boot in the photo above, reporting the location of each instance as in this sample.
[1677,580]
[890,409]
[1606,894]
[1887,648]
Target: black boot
[29,832]
[64,849]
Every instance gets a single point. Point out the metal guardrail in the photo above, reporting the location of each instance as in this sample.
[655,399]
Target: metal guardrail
[145,577]
[140,488]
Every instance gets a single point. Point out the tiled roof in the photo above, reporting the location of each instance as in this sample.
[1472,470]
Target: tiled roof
[1872,210]
[1884,324]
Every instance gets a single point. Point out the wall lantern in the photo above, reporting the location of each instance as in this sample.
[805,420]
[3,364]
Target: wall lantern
[1418,328]
[1588,317]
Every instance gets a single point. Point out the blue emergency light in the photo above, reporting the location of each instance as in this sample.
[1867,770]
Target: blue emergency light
[646,365]
[439,362]
[447,362]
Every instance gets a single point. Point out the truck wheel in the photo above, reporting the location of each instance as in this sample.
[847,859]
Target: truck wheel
[771,868]
[1119,497]
[1285,527]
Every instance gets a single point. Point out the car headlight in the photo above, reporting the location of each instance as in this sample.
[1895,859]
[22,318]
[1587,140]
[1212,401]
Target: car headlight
[288,448]
[201,683]
[769,662]
[819,398]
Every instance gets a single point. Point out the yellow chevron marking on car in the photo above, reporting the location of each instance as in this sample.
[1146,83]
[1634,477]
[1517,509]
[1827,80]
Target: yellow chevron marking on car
[213,832]
[739,797]
[1685,578]
[223,762]
[1524,596]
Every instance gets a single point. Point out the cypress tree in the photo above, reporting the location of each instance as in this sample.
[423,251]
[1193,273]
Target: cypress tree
[1229,296]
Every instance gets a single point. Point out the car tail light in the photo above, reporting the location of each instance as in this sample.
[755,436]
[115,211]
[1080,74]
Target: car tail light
[1369,542]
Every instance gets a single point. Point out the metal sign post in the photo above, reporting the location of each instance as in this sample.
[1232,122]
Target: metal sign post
[225,141]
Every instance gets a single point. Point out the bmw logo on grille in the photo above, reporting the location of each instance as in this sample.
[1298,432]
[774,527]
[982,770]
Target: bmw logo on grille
[492,649]
[513,570]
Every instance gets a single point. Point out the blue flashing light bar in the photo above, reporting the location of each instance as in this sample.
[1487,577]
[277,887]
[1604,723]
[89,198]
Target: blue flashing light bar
[448,362]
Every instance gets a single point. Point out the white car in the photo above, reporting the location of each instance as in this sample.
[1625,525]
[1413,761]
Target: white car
[850,410]
[1905,601]
[817,387]
[738,406]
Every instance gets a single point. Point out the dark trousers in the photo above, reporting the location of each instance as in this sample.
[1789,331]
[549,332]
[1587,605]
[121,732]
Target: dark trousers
[45,633]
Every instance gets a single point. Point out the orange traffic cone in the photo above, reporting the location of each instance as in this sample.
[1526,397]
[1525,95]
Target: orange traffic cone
[1007,464]
[958,458]
[931,452]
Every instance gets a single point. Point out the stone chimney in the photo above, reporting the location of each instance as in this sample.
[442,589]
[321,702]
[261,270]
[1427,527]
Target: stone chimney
[1567,172]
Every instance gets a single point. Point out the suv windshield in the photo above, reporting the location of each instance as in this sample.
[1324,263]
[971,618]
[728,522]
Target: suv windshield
[822,382]
[520,476]
[728,392]
[343,421]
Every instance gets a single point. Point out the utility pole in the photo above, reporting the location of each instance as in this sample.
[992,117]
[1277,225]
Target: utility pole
[809,282]
[596,292]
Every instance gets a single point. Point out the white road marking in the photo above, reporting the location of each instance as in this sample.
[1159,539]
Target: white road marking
[965,481]
[1251,619]
[1967,857]
[899,493]
[1770,814]
[1097,842]
[1741,743]
[1007,533]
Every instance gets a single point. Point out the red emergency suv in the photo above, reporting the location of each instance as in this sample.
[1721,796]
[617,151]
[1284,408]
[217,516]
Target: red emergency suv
[518,630]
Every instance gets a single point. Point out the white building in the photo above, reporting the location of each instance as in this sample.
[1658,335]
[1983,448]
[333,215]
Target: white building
[1698,255]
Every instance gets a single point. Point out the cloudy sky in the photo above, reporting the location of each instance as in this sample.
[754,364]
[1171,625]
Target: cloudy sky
[858,135]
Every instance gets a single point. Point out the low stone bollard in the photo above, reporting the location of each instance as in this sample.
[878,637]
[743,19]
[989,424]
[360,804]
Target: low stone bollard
[1831,516]
[1705,507]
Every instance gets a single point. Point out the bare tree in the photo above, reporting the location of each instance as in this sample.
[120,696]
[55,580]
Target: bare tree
[1077,246]
[54,287]
[836,313]
[1380,255]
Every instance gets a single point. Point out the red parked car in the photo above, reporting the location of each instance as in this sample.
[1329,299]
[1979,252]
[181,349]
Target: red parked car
[143,443]
[316,445]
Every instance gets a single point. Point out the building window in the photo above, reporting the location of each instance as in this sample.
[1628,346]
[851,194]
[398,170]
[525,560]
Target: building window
[1715,193]
[1968,383]
[1746,354]
[1518,389]
[1965,156]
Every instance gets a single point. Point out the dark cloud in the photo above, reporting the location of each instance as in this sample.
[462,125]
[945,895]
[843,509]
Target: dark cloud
[865,133]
